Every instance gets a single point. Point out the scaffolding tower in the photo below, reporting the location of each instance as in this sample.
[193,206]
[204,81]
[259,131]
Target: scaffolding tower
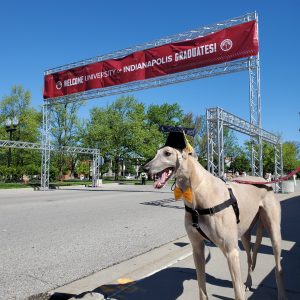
[216,120]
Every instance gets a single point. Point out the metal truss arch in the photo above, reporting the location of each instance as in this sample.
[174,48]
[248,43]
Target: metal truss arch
[250,64]
[200,73]
[46,151]
[217,119]
[38,146]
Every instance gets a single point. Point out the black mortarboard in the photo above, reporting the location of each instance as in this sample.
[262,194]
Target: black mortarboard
[176,138]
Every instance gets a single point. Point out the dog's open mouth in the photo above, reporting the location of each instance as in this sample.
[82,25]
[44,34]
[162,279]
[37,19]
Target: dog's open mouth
[162,177]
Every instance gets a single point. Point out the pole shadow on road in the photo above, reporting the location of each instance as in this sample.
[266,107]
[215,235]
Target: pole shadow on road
[169,203]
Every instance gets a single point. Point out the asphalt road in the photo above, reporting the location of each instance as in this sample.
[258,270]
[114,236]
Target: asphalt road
[48,239]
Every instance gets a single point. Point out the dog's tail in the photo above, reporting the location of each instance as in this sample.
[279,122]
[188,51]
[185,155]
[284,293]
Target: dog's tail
[259,235]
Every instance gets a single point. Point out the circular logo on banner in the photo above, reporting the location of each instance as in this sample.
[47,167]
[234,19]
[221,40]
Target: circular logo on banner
[226,45]
[58,85]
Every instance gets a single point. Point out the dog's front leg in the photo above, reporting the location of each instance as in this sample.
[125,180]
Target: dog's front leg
[233,259]
[199,259]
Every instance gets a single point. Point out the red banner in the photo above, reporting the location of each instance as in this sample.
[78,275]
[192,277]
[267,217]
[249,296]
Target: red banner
[226,45]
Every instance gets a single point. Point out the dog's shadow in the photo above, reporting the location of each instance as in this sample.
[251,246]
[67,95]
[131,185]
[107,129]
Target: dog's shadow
[171,283]
[167,284]
[290,225]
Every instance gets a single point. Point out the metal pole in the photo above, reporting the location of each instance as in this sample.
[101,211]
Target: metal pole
[281,161]
[275,162]
[207,142]
[96,167]
[94,184]
[252,140]
[258,108]
[255,112]
[9,157]
[222,144]
[277,187]
[260,144]
[281,165]
[9,149]
[218,142]
[255,117]
[45,168]
[89,175]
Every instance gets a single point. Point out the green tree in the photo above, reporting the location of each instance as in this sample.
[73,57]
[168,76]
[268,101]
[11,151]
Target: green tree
[240,163]
[119,130]
[289,154]
[82,167]
[165,114]
[231,146]
[268,158]
[65,123]
[18,105]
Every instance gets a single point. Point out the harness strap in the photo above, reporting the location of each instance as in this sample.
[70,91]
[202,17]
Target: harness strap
[234,205]
[195,222]
[212,210]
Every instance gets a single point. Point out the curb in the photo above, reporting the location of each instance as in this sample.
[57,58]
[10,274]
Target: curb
[125,274]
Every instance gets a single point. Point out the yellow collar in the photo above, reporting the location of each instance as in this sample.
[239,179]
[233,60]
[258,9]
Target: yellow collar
[186,195]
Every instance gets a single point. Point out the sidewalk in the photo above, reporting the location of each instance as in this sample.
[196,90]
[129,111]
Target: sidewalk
[168,272]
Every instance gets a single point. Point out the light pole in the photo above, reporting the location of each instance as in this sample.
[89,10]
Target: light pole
[11,126]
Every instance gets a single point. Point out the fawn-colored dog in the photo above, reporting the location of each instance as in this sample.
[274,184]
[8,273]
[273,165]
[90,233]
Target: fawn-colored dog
[257,205]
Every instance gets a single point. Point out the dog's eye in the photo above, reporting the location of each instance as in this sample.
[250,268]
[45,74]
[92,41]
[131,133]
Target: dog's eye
[167,153]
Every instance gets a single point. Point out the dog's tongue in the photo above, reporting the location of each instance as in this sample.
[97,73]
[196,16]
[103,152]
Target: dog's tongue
[159,183]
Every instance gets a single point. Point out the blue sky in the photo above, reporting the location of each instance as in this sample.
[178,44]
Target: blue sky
[38,35]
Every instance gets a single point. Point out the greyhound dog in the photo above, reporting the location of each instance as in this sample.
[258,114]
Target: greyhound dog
[256,205]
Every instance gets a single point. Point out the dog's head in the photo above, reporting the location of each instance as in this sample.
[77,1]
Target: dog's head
[165,165]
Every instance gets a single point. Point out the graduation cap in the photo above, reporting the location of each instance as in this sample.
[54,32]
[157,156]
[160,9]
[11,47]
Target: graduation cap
[177,137]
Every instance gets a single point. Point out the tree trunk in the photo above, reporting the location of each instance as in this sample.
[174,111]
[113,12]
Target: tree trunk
[116,168]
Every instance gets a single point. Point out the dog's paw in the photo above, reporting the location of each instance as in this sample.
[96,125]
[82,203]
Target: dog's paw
[248,288]
[248,284]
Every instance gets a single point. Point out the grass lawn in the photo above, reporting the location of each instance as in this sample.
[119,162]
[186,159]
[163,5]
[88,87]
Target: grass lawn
[15,185]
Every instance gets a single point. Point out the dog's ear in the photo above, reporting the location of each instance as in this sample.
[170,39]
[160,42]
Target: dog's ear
[194,154]
[184,154]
